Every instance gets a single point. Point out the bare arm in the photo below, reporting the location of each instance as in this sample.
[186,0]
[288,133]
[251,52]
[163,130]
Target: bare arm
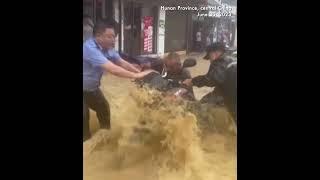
[201,81]
[124,64]
[121,72]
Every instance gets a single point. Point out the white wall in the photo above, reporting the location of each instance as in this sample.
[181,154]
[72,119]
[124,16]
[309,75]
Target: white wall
[122,25]
[235,39]
[161,32]
[116,18]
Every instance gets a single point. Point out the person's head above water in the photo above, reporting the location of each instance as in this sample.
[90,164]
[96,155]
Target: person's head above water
[215,51]
[105,33]
[173,63]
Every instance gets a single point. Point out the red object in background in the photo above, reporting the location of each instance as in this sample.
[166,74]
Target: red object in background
[147,34]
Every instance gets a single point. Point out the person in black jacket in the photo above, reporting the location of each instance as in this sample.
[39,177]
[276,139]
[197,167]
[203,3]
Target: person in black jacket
[222,75]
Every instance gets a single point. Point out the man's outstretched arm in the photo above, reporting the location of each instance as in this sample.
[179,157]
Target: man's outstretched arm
[199,81]
[121,72]
[124,64]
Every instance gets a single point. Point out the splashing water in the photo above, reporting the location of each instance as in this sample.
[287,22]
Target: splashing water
[155,139]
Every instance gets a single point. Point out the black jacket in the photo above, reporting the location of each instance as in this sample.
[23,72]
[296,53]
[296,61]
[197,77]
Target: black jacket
[223,75]
[216,75]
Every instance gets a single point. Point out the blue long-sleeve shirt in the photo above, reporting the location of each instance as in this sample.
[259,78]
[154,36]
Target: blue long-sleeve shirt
[93,57]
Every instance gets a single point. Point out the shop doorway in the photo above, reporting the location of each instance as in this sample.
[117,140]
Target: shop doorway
[98,9]
[132,28]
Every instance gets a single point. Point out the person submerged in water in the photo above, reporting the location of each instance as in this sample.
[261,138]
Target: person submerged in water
[170,67]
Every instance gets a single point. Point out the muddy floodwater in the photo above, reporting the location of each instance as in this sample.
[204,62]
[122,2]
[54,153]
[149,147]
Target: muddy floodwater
[155,139]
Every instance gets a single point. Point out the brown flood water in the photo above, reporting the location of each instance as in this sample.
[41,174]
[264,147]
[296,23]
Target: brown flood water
[153,139]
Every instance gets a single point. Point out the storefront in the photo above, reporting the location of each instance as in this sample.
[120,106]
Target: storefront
[176,31]
[140,22]
[98,9]
[216,28]
[144,29]
[149,30]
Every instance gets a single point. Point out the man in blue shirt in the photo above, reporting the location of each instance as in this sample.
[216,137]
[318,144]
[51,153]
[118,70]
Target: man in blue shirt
[99,56]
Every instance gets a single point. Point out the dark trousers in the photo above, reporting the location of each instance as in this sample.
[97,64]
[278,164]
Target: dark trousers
[230,90]
[96,101]
[227,97]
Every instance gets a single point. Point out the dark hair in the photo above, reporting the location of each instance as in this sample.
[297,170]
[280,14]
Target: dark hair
[102,25]
[217,46]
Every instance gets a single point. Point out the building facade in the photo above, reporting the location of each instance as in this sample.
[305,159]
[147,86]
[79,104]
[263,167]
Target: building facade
[145,29]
